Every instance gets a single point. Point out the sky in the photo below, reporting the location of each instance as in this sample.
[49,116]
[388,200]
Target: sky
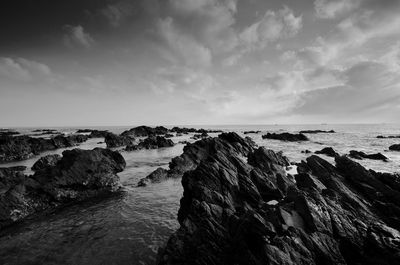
[196,62]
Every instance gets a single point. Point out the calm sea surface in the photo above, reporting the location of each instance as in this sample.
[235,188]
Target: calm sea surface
[130,227]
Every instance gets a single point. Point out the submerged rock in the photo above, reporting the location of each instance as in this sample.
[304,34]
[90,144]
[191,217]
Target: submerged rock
[360,155]
[286,137]
[329,151]
[395,147]
[78,175]
[341,214]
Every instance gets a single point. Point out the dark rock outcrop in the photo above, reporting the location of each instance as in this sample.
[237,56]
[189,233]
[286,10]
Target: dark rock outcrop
[360,155]
[395,147]
[200,136]
[143,131]
[388,137]
[194,153]
[8,132]
[193,130]
[112,140]
[316,131]
[151,142]
[23,147]
[251,132]
[286,137]
[46,161]
[78,175]
[168,135]
[306,151]
[156,176]
[329,151]
[330,215]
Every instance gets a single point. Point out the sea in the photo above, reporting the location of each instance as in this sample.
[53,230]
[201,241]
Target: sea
[130,227]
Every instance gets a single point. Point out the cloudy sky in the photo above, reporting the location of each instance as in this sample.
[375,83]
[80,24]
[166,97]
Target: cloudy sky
[127,62]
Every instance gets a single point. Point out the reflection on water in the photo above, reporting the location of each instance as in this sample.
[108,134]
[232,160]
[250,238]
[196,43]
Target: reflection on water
[128,228]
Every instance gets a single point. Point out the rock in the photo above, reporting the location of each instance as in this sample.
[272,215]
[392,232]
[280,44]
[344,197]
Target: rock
[156,176]
[194,153]
[361,155]
[78,175]
[168,135]
[8,132]
[113,140]
[143,131]
[286,137]
[388,137]
[316,131]
[151,142]
[46,161]
[251,132]
[193,130]
[200,136]
[306,151]
[23,147]
[395,147]
[329,151]
[341,214]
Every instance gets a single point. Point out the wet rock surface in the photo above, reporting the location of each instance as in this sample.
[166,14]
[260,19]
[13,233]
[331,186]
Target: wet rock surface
[77,176]
[325,214]
[329,151]
[360,155]
[23,147]
[112,140]
[286,137]
[46,161]
[395,147]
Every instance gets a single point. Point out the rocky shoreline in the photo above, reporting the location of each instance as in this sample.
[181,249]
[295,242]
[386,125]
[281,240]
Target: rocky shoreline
[76,176]
[241,207]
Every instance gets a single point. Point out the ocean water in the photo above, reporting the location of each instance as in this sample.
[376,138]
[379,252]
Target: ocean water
[130,227]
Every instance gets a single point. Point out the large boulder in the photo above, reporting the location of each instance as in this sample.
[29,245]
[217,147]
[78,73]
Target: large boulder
[395,147]
[286,137]
[242,208]
[77,176]
[151,142]
[112,140]
[194,153]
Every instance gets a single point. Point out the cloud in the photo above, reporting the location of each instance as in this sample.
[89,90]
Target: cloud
[76,36]
[21,69]
[329,9]
[182,47]
[366,87]
[272,27]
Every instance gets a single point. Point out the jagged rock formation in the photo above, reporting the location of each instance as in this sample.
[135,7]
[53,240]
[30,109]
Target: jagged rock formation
[113,140]
[316,131]
[22,147]
[240,207]
[360,155]
[329,151]
[286,137]
[78,175]
[194,153]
